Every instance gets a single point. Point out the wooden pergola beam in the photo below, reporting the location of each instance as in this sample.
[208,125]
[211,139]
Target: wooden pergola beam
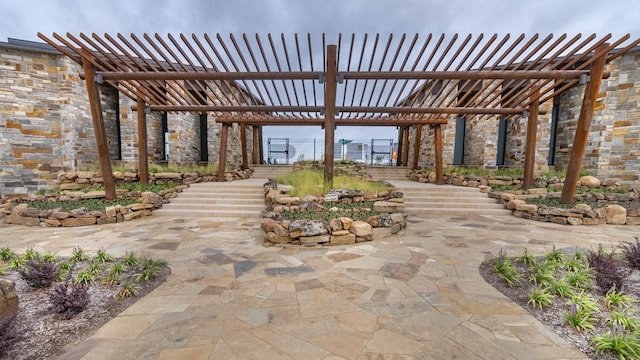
[99,130]
[530,146]
[340,109]
[143,160]
[348,75]
[329,115]
[583,127]
[401,145]
[288,121]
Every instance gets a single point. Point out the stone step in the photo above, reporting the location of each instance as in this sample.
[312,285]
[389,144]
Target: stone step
[222,195]
[217,206]
[456,211]
[453,204]
[215,202]
[214,215]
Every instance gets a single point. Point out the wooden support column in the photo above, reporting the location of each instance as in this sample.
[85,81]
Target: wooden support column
[437,133]
[416,147]
[530,147]
[400,145]
[93,92]
[243,144]
[261,145]
[583,127]
[255,145]
[329,115]
[222,156]
[405,149]
[143,160]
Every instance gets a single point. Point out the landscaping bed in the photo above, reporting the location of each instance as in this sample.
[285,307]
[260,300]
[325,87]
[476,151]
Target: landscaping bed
[52,318]
[595,202]
[301,213]
[588,297]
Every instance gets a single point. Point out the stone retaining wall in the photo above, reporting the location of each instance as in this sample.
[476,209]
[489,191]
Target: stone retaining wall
[78,180]
[613,208]
[18,213]
[341,229]
[73,186]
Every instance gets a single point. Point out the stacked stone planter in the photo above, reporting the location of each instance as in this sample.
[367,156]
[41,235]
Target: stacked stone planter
[341,230]
[78,180]
[613,208]
[73,185]
[19,213]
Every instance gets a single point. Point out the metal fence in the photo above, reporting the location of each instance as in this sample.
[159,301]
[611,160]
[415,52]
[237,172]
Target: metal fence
[369,151]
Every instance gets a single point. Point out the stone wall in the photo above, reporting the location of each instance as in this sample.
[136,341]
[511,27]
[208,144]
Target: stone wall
[46,127]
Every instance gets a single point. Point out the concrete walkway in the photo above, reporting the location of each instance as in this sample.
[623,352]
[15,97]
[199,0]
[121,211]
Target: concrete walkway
[416,296]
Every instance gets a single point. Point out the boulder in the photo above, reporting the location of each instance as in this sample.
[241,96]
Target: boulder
[267,225]
[8,298]
[530,208]
[313,240]
[346,222]
[343,239]
[277,239]
[616,214]
[79,221]
[149,197]
[300,228]
[360,229]
[281,230]
[512,204]
[167,175]
[335,225]
[590,181]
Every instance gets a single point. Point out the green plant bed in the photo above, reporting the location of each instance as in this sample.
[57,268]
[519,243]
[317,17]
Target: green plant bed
[356,211]
[311,182]
[136,186]
[591,298]
[63,300]
[554,202]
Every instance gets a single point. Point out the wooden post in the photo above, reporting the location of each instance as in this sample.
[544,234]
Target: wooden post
[400,145]
[255,146]
[329,115]
[99,130]
[222,157]
[583,128]
[243,144]
[261,145]
[416,147]
[143,160]
[530,147]
[437,133]
[405,149]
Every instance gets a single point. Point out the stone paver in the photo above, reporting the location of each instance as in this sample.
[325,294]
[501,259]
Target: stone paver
[416,296]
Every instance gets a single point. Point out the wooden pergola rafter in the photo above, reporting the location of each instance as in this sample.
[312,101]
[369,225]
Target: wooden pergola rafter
[367,80]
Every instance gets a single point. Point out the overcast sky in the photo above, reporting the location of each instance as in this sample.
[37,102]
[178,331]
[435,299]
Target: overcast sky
[25,18]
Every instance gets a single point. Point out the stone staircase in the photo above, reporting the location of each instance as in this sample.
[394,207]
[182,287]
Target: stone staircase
[270,171]
[431,200]
[218,201]
[387,172]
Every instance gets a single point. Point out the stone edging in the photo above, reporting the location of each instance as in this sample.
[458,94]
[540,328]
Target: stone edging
[341,230]
[612,212]
[70,185]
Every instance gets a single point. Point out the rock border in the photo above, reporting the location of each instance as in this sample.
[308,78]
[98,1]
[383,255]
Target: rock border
[612,211]
[73,185]
[341,230]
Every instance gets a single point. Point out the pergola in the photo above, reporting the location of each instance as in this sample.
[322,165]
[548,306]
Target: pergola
[364,80]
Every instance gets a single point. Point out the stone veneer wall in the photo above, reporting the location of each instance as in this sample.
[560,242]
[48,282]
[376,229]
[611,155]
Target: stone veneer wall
[46,127]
